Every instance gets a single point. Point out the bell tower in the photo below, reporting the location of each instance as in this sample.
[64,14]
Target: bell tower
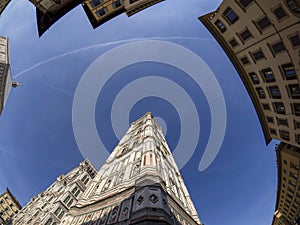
[138,184]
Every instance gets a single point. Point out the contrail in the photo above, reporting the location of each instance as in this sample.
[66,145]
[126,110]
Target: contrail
[63,91]
[105,45]
[11,154]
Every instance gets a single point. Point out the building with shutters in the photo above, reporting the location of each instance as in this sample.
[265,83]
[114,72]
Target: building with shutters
[100,11]
[97,11]
[287,209]
[50,11]
[262,40]
[9,206]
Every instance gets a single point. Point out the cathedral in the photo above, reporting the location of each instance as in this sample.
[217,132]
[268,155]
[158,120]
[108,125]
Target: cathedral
[138,184]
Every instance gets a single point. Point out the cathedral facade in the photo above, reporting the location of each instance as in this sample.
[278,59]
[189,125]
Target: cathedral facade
[138,184]
[52,205]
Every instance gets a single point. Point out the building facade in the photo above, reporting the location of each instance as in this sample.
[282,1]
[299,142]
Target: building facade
[262,40]
[138,184]
[2,222]
[287,210]
[100,11]
[97,11]
[50,11]
[51,206]
[6,82]
[9,206]
[3,4]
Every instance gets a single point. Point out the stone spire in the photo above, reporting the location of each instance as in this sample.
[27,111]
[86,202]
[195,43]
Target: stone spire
[15,84]
[138,184]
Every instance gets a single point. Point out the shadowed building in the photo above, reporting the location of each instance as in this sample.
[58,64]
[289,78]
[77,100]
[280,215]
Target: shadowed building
[138,184]
[100,11]
[51,206]
[49,11]
[6,82]
[9,206]
[3,4]
[287,210]
[262,40]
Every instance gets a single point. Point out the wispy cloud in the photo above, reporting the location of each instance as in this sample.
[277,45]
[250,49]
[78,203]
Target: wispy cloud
[61,90]
[106,44]
[9,153]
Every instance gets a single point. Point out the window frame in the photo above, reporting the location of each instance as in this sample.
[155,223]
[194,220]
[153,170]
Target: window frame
[96,3]
[276,106]
[283,10]
[297,139]
[295,106]
[116,4]
[265,73]
[286,69]
[285,135]
[296,125]
[276,44]
[230,16]
[294,35]
[253,79]
[235,41]
[67,199]
[57,211]
[220,25]
[246,29]
[273,131]
[266,106]
[49,221]
[270,119]
[255,53]
[281,123]
[272,91]
[244,7]
[294,95]
[261,92]
[259,22]
[101,12]
[246,62]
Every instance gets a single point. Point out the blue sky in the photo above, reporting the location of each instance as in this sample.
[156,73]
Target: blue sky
[37,143]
